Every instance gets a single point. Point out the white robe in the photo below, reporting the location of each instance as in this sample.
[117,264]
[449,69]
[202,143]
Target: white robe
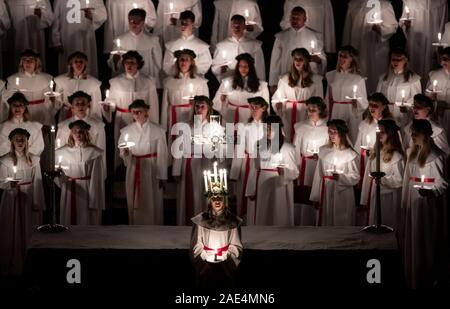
[443,87]
[429,19]
[366,138]
[77,36]
[392,89]
[337,202]
[164,28]
[83,170]
[274,204]
[254,16]
[340,86]
[28,30]
[203,60]
[232,47]
[117,23]
[5,23]
[148,46]
[67,86]
[193,161]
[243,160]
[4,106]
[145,202]
[33,87]
[319,16]
[309,137]
[424,225]
[237,99]
[17,220]
[176,91]
[297,94]
[35,142]
[391,190]
[439,137]
[373,48]
[288,40]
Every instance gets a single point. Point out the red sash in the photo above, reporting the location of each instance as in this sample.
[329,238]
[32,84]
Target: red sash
[35,102]
[236,111]
[418,179]
[294,116]
[218,250]
[73,197]
[122,110]
[137,174]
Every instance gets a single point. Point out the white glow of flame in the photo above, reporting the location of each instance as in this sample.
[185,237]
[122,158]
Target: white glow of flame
[126,138]
[191,88]
[17,81]
[313,44]
[439,36]
[58,143]
[135,6]
[118,43]
[403,93]
[171,6]
[14,169]
[224,54]
[107,93]
[51,84]
[246,13]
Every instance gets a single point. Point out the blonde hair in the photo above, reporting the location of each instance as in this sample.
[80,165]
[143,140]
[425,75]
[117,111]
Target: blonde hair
[25,151]
[37,69]
[421,153]
[70,73]
[177,71]
[26,114]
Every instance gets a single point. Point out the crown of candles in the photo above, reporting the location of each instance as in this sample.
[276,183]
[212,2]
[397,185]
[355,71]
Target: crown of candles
[215,181]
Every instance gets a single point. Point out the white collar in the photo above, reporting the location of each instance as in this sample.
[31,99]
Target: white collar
[128,76]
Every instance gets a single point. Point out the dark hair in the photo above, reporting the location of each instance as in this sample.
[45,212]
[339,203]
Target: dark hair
[238,17]
[252,81]
[318,101]
[407,73]
[378,97]
[187,15]
[138,12]
[298,9]
[393,142]
[445,51]
[132,54]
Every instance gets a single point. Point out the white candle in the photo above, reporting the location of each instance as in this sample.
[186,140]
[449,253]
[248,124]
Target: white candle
[126,137]
[246,14]
[225,184]
[17,81]
[435,82]
[227,83]
[403,95]
[215,171]
[224,54]
[135,5]
[51,85]
[407,11]
[171,6]
[355,89]
[87,3]
[422,179]
[368,140]
[375,15]
[59,161]
[52,129]
[107,93]
[58,143]
[205,177]
[191,88]
[334,163]
[15,171]
[118,43]
[313,45]
[439,37]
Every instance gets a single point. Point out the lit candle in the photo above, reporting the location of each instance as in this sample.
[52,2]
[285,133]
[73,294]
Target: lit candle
[422,179]
[87,3]
[107,93]
[171,6]
[334,164]
[314,147]
[378,147]
[118,43]
[435,82]
[51,85]
[215,171]
[210,180]
[191,88]
[246,14]
[17,81]
[407,11]
[135,5]
[375,15]
[205,177]
[439,37]
[403,95]
[313,45]
[355,89]
[225,184]
[368,140]
[126,137]
[59,161]
[15,172]
[227,83]
[58,143]
[224,54]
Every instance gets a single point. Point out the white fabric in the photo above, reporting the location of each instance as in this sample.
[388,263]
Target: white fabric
[232,47]
[439,137]
[117,22]
[373,48]
[5,24]
[145,205]
[35,142]
[164,28]
[319,16]
[148,46]
[254,15]
[203,60]
[288,40]
[443,86]
[77,36]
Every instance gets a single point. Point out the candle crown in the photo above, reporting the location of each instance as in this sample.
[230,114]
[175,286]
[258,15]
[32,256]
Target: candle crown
[216,181]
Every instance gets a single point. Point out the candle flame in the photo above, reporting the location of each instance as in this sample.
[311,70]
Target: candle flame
[126,137]
[191,88]
[107,93]
[224,54]
[15,169]
[435,83]
[439,36]
[17,81]
[51,84]
[406,9]
[171,6]
[135,5]
[368,139]
[59,159]
[246,14]
[313,44]
[227,83]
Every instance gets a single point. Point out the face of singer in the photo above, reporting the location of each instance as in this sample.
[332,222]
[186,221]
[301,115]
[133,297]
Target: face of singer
[297,20]
[445,62]
[201,108]
[243,68]
[345,59]
[140,114]
[298,63]
[256,111]
[313,112]
[376,109]
[184,63]
[80,107]
[383,136]
[421,112]
[19,142]
[186,27]
[17,109]
[29,64]
[417,137]
[77,134]
[237,28]
[398,62]
[131,66]
[136,24]
[78,66]
[333,135]
[217,203]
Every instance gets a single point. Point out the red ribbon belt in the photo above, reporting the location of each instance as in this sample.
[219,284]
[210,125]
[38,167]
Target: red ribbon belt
[73,197]
[362,165]
[218,250]
[236,111]
[418,179]
[137,174]
[244,187]
[303,168]
[122,110]
[188,188]
[275,170]
[294,116]
[322,197]
[35,102]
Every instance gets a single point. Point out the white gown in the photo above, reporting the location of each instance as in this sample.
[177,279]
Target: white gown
[230,48]
[443,87]
[77,36]
[144,196]
[319,16]
[309,137]
[391,190]
[203,60]
[373,48]
[366,138]
[236,108]
[117,22]
[274,203]
[430,17]
[149,47]
[288,40]
[393,87]
[340,86]
[254,16]
[20,209]
[82,186]
[28,30]
[164,28]
[336,197]
[67,86]
[424,226]
[294,110]
[35,141]
[439,137]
